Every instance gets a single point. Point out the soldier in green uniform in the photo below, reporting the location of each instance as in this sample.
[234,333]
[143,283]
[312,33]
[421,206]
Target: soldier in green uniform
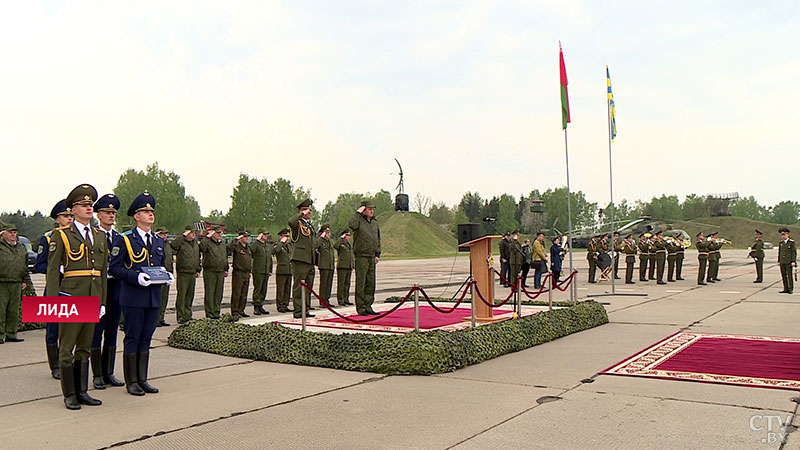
[14,277]
[679,258]
[713,252]
[283,271]
[242,266]
[617,244]
[170,267]
[661,256]
[367,251]
[302,256]
[344,268]
[82,252]
[644,256]
[702,258]
[652,257]
[672,257]
[757,253]
[215,270]
[261,249]
[591,255]
[516,257]
[325,262]
[629,248]
[787,259]
[187,264]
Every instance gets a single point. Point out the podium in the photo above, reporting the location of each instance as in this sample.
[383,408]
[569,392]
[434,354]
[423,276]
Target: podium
[480,250]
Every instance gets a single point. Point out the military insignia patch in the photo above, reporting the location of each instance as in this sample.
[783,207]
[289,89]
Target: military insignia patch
[115,251]
[52,246]
[41,249]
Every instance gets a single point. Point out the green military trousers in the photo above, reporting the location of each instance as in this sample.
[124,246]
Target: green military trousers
[301,271]
[343,285]
[10,304]
[213,283]
[185,297]
[325,284]
[365,283]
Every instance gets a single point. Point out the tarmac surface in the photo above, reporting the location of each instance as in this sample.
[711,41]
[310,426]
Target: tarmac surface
[548,396]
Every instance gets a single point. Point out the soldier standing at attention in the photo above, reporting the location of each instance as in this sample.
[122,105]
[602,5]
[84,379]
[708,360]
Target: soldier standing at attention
[617,250]
[140,298]
[661,256]
[170,266]
[14,277]
[717,255]
[242,266]
[63,217]
[672,256]
[757,253]
[325,262]
[187,264]
[629,248]
[591,255]
[505,258]
[261,249]
[653,264]
[283,271]
[679,258]
[516,257]
[83,254]
[215,269]
[367,250]
[787,258]
[644,256]
[104,341]
[302,256]
[702,258]
[344,268]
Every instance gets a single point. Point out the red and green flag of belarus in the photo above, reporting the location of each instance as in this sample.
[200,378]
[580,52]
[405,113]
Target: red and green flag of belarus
[564,92]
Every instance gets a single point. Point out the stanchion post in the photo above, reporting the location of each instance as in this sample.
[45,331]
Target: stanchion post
[519,297]
[550,293]
[472,300]
[303,307]
[575,289]
[416,308]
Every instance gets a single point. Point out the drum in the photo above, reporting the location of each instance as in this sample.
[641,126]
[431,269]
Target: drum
[603,261]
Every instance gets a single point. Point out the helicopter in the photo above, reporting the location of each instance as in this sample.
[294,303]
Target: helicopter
[644,224]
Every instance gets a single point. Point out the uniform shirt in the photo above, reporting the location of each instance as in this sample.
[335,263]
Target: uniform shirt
[366,236]
[302,236]
[326,257]
[82,230]
[262,256]
[344,250]
[242,258]
[283,252]
[187,254]
[215,257]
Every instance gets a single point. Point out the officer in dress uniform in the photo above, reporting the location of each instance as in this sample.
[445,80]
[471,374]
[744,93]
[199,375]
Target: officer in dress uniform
[262,249]
[629,248]
[82,253]
[104,351]
[644,256]
[672,258]
[757,253]
[702,258]
[787,259]
[63,217]
[652,257]
[679,258]
[591,255]
[661,256]
[140,297]
[302,256]
[283,271]
[325,262]
[617,250]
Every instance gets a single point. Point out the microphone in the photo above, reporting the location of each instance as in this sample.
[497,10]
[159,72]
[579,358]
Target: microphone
[490,219]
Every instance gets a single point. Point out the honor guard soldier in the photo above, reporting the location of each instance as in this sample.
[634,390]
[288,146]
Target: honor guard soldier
[302,255]
[679,258]
[261,249]
[63,217]
[617,250]
[283,271]
[516,257]
[215,270]
[702,258]
[14,277]
[644,256]
[367,250]
[134,254]
[591,255]
[629,248]
[242,265]
[344,268]
[104,341]
[672,257]
[187,266]
[661,256]
[82,253]
[787,259]
[325,262]
[169,265]
[757,253]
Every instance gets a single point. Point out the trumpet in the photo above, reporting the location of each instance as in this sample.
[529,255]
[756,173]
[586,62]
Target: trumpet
[686,244]
[725,241]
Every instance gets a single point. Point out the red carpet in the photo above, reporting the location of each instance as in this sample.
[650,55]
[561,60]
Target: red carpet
[718,358]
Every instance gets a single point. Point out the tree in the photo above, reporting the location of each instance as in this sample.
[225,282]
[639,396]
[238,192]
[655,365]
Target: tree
[622,213]
[338,213]
[749,207]
[458,218]
[583,212]
[32,226]
[786,212]
[441,214]
[215,216]
[174,209]
[382,200]
[422,203]
[282,201]
[665,207]
[695,206]
[471,204]
[506,210]
[248,204]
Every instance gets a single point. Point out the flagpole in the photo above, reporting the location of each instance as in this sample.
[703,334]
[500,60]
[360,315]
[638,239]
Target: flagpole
[611,189]
[572,293]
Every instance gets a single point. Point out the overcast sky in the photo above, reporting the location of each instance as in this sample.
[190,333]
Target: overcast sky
[464,93]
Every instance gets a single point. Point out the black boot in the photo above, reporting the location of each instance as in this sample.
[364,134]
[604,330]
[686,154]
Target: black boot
[129,371]
[143,361]
[52,360]
[68,386]
[258,310]
[97,368]
[81,369]
[108,359]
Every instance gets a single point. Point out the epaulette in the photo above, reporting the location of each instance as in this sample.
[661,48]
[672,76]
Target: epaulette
[61,228]
[127,233]
[99,230]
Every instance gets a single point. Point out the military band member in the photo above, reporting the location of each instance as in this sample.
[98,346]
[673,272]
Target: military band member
[283,271]
[617,244]
[344,268]
[713,252]
[302,256]
[629,248]
[717,255]
[757,253]
[14,278]
[644,256]
[325,262]
[787,259]
[653,257]
[187,265]
[262,249]
[169,264]
[242,265]
[672,257]
[591,255]
[679,258]
[702,258]
[661,256]
[104,341]
[516,257]
[215,270]
[63,217]
[140,298]
[82,252]
[367,250]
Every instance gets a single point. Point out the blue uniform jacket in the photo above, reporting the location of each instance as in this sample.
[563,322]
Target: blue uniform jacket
[555,258]
[126,269]
[40,266]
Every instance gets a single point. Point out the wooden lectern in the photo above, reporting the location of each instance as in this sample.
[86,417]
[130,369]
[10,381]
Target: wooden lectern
[480,250]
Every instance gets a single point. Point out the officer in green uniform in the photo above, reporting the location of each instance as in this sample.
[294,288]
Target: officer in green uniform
[344,268]
[14,277]
[367,251]
[644,256]
[302,256]
[325,262]
[242,266]
[702,258]
[713,252]
[787,259]
[591,255]
[82,252]
[169,265]
[617,250]
[516,257]
[661,256]
[757,253]
[679,258]
[283,271]
[653,257]
[187,264]
[215,270]
[261,249]
[629,248]
[672,257]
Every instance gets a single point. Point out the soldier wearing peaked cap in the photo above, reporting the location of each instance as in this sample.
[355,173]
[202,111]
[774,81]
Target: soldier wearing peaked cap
[140,298]
[757,253]
[242,265]
[215,270]
[702,258]
[629,248]
[14,278]
[302,255]
[262,249]
[679,258]
[367,250]
[187,266]
[644,256]
[63,217]
[591,256]
[344,268]
[787,259]
[82,253]
[325,262]
[283,271]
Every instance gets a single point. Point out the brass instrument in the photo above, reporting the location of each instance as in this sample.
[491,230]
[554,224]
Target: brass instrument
[686,244]
[725,241]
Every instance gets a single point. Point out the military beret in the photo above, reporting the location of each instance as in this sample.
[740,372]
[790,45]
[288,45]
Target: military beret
[758,232]
[324,227]
[60,208]
[143,202]
[108,202]
[783,230]
[84,194]
[284,232]
[305,203]
[244,233]
[367,203]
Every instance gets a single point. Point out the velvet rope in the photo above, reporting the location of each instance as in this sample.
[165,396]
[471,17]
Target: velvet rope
[446,311]
[566,282]
[369,319]
[539,292]
[493,305]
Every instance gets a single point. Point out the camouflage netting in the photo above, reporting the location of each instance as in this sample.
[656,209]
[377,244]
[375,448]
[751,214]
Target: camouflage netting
[422,353]
[29,291]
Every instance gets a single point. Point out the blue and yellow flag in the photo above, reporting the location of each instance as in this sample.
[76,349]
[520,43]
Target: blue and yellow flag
[612,111]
